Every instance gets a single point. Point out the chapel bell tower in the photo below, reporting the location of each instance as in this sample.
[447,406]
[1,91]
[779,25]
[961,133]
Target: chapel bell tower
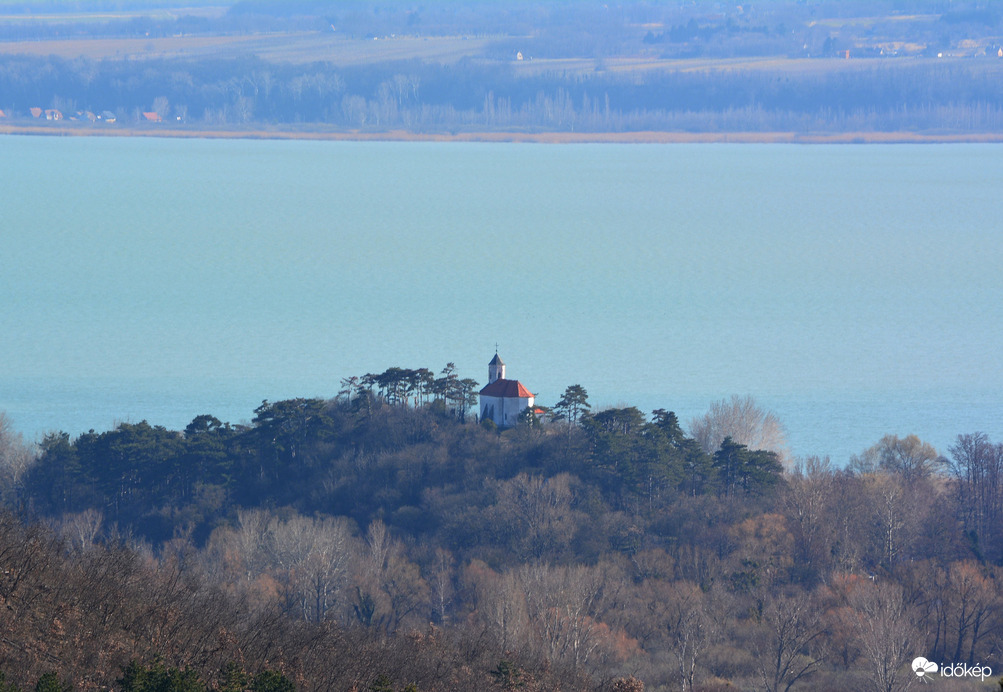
[496,369]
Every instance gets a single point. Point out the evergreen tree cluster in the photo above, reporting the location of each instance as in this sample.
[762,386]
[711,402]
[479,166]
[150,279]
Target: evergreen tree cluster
[381,450]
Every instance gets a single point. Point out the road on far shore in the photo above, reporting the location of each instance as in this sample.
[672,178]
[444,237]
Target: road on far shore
[64,128]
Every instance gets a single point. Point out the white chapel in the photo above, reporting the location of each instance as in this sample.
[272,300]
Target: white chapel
[503,400]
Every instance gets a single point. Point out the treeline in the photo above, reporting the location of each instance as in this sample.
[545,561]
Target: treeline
[473,96]
[580,549]
[392,447]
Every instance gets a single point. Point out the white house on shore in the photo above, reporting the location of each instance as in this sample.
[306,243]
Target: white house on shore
[503,400]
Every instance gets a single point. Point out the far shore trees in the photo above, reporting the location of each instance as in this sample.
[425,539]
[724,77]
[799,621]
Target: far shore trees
[649,67]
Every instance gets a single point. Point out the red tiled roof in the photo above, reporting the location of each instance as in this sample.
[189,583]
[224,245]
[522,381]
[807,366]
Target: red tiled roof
[506,388]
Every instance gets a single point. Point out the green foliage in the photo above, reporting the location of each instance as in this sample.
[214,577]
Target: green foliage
[59,479]
[529,419]
[697,471]
[508,676]
[668,423]
[745,471]
[633,454]
[620,529]
[287,428]
[382,683]
[364,607]
[272,681]
[50,682]
[387,450]
[573,404]
[7,686]
[233,679]
[157,678]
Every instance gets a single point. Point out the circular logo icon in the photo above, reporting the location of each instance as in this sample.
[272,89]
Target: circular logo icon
[922,667]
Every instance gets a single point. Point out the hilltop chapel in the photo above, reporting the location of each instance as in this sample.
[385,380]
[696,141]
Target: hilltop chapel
[503,400]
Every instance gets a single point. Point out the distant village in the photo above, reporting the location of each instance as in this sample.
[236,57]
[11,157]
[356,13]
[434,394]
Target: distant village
[82,116]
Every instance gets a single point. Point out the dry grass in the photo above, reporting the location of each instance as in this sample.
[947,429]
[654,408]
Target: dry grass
[93,17]
[127,48]
[329,47]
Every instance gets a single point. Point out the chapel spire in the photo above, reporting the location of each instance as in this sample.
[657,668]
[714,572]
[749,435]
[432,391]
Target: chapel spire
[496,369]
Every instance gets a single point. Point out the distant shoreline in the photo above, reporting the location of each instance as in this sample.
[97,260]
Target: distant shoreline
[62,130]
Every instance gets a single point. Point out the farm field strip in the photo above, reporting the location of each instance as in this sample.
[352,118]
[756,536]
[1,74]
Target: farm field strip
[299,47]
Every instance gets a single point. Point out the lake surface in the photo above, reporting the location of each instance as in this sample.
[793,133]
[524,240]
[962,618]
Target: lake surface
[854,290]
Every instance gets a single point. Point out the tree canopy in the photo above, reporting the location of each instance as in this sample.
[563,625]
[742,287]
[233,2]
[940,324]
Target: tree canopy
[381,540]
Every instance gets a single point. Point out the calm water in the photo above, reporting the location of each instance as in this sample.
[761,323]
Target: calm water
[855,290]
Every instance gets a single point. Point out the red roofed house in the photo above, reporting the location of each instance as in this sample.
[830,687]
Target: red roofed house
[503,400]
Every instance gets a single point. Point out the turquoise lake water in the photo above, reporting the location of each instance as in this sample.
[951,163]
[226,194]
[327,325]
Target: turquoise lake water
[854,290]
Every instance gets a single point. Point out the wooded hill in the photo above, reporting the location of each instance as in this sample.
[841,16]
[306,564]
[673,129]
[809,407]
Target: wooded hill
[381,541]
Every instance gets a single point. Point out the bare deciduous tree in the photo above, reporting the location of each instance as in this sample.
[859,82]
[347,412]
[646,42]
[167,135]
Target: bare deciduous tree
[908,457]
[807,501]
[391,580]
[885,630]
[309,557]
[161,107]
[789,641]
[744,421]
[689,627]
[16,458]
[977,466]
[564,605]
[897,510]
[538,511]
[440,583]
[499,604]
[82,528]
[974,603]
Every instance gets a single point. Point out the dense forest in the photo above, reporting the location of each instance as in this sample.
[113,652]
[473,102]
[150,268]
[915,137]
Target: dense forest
[928,67]
[387,540]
